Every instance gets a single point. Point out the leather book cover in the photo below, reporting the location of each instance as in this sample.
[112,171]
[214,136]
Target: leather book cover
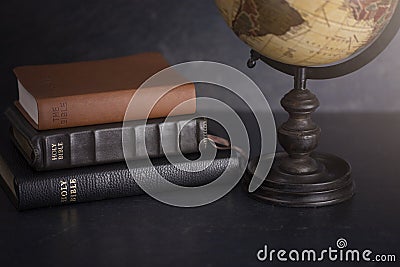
[94,92]
[29,189]
[98,144]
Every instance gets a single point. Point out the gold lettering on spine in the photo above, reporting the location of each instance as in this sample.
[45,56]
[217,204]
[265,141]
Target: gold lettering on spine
[64,191]
[57,151]
[73,188]
[68,190]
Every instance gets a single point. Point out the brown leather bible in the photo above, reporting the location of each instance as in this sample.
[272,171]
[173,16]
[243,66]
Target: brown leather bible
[95,92]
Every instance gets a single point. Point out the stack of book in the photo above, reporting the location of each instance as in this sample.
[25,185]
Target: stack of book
[65,140]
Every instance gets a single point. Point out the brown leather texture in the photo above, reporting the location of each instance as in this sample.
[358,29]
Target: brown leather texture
[97,92]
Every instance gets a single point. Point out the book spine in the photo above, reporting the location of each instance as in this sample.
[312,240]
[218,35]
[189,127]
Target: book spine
[109,107]
[94,147]
[83,185]
[30,147]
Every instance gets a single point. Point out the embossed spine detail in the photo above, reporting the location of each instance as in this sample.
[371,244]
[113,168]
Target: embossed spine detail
[91,145]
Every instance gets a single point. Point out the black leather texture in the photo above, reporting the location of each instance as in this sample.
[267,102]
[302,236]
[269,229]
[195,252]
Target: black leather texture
[99,144]
[35,189]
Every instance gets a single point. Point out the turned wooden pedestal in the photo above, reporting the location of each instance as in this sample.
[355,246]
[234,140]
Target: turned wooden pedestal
[301,177]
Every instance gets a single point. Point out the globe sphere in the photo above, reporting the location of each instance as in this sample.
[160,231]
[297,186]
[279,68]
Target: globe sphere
[307,32]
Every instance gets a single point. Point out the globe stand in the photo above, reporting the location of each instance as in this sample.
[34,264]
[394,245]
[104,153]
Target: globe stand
[301,177]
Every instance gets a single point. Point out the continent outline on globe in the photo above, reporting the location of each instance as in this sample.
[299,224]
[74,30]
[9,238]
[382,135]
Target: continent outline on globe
[307,32]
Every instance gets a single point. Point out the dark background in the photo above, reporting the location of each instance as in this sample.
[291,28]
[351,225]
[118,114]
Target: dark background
[41,32]
[141,231]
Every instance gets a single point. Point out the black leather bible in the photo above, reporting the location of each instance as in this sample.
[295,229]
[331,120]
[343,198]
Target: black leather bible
[98,144]
[28,188]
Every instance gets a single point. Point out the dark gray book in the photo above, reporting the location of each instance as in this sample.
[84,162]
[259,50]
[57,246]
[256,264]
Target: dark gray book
[99,144]
[28,188]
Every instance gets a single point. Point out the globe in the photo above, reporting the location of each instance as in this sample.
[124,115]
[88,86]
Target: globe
[307,32]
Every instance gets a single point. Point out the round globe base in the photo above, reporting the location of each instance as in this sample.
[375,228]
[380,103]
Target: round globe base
[330,184]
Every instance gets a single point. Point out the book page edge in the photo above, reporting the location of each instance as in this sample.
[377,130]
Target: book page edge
[28,102]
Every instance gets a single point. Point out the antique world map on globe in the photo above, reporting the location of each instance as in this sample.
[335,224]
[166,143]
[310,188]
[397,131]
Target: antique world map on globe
[307,32]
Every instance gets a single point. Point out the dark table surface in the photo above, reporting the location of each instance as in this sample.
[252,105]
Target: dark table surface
[140,231]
